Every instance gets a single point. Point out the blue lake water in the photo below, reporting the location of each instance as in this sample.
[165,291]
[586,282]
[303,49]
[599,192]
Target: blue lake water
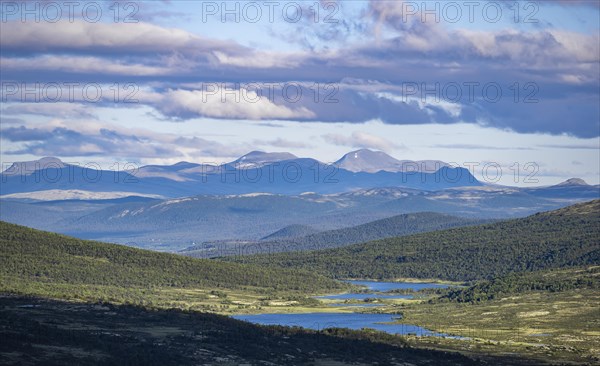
[355,321]
[363,305]
[363,296]
[352,320]
[389,286]
[382,287]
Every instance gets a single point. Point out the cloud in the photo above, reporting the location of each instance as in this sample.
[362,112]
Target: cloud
[79,64]
[93,138]
[283,143]
[10,120]
[174,48]
[25,134]
[571,146]
[365,140]
[100,37]
[567,3]
[478,147]
[269,124]
[59,110]
[368,71]
[236,104]
[61,141]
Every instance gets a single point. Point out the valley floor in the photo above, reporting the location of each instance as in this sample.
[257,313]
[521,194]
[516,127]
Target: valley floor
[44,332]
[560,326]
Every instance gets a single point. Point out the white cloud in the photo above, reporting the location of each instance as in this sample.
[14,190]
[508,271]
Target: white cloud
[59,109]
[237,104]
[283,143]
[360,139]
[43,36]
[87,64]
[77,138]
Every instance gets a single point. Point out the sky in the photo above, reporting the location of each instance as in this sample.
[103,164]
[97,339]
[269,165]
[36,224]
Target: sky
[511,84]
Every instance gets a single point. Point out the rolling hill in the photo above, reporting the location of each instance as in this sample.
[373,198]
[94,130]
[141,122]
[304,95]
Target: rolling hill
[40,263]
[291,231]
[290,238]
[398,225]
[555,239]
[514,284]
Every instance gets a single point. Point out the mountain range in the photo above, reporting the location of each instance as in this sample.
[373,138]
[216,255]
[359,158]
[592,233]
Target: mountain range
[277,173]
[173,207]
[49,179]
[177,223]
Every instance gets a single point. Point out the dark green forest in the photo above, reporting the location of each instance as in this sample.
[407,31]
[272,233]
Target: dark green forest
[555,280]
[565,237]
[399,225]
[32,256]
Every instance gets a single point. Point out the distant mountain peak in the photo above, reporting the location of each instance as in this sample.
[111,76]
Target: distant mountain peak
[28,167]
[365,160]
[369,161]
[573,182]
[261,154]
[49,159]
[366,151]
[261,157]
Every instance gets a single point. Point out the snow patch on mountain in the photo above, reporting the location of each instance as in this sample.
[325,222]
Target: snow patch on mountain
[75,194]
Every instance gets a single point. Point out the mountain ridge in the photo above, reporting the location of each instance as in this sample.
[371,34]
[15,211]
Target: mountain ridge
[257,157]
[276,173]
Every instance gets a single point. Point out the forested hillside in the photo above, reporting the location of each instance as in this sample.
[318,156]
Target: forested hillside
[399,225]
[291,231]
[555,280]
[30,258]
[290,239]
[561,238]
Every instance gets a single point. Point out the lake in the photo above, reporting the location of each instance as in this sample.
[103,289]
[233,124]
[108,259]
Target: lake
[363,296]
[383,287]
[389,286]
[355,321]
[352,320]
